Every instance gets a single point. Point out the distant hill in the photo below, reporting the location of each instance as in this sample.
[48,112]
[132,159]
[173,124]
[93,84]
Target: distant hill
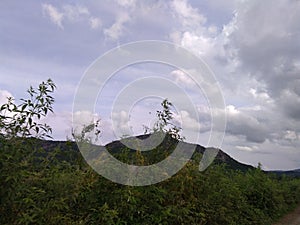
[69,151]
[291,173]
[169,143]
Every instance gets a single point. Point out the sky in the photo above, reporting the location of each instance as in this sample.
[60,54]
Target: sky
[251,46]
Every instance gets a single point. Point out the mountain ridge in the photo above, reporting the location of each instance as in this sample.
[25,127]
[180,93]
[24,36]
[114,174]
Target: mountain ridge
[117,145]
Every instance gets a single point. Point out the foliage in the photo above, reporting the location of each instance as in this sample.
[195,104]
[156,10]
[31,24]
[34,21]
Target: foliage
[164,121]
[21,120]
[88,134]
[43,185]
[20,161]
[57,191]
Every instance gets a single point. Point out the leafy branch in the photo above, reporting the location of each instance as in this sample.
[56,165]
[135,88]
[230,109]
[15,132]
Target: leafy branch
[22,120]
[164,122]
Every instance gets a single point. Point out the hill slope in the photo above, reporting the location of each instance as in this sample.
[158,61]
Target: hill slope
[70,149]
[167,146]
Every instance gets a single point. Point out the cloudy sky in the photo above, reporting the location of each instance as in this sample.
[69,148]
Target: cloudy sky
[252,47]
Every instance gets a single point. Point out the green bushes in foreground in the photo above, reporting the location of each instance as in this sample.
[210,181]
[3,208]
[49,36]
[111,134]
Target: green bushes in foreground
[45,190]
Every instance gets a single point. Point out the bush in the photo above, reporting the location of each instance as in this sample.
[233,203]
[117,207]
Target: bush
[39,186]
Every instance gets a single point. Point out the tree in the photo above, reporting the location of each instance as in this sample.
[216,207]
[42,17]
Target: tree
[20,158]
[164,122]
[22,120]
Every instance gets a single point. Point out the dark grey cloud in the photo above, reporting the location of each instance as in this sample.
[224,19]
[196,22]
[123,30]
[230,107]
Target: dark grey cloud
[242,124]
[266,38]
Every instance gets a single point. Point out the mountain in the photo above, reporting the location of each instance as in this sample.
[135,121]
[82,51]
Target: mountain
[69,150]
[168,145]
[290,173]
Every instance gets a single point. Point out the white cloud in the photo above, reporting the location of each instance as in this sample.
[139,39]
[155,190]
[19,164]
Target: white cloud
[187,122]
[117,29]
[81,119]
[252,46]
[261,96]
[232,110]
[120,123]
[244,148]
[193,33]
[190,16]
[266,36]
[257,62]
[84,118]
[95,23]
[61,124]
[74,12]
[55,16]
[198,43]
[291,135]
[182,78]
[127,3]
[71,13]
[3,100]
[3,96]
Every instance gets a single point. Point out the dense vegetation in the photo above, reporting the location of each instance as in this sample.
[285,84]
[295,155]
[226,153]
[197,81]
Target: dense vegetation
[57,187]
